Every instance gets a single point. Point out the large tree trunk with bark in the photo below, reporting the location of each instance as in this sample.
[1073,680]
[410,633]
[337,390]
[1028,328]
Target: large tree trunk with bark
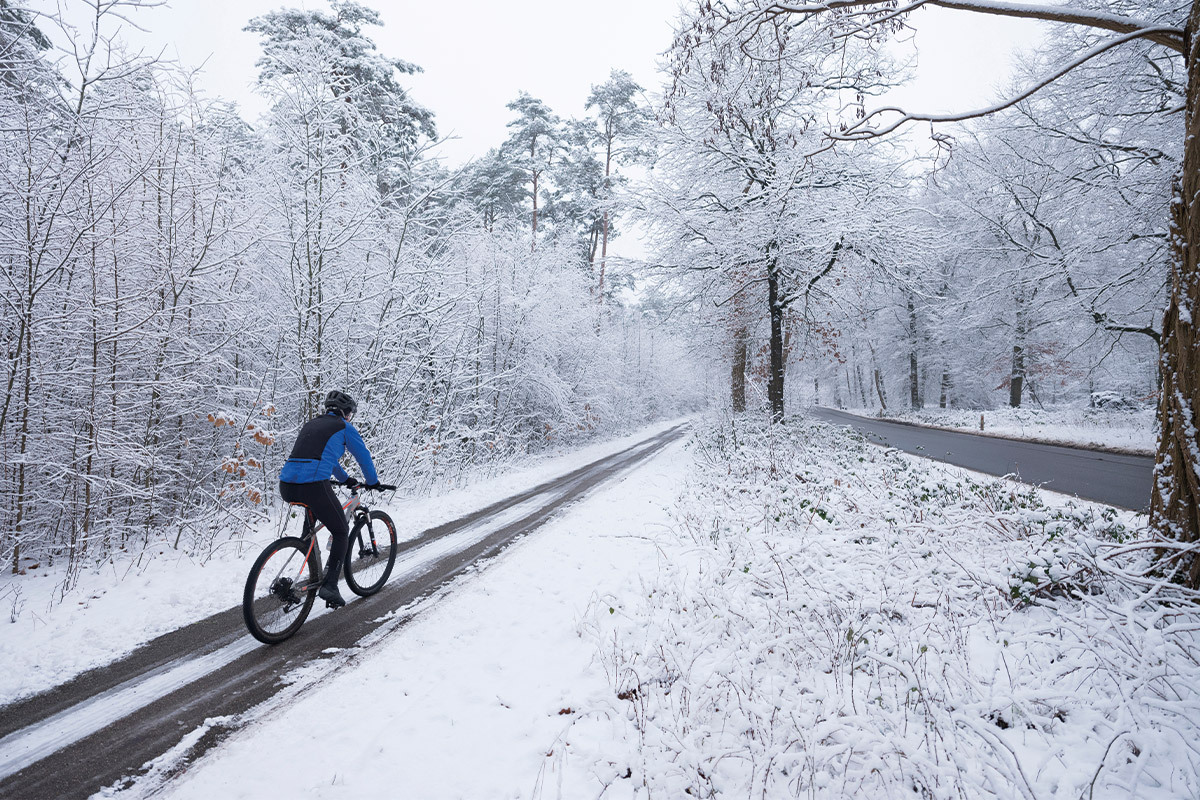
[878,379]
[1016,378]
[914,373]
[775,379]
[535,209]
[1175,506]
[608,159]
[603,258]
[737,382]
[914,389]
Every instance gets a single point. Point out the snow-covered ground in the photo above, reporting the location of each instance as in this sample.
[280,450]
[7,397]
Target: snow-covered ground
[47,638]
[761,613]
[839,620]
[477,696]
[777,614]
[1132,431]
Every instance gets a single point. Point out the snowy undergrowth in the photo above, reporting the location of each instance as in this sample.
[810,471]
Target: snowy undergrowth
[838,620]
[1132,431]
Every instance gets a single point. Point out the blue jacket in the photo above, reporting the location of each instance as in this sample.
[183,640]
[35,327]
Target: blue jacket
[320,446]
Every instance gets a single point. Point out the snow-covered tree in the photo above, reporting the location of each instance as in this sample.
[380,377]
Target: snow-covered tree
[740,196]
[532,145]
[1175,509]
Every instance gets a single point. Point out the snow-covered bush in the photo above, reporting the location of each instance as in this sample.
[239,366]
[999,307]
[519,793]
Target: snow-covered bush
[832,619]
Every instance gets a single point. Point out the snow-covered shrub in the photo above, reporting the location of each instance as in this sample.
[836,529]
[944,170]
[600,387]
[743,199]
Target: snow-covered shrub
[832,619]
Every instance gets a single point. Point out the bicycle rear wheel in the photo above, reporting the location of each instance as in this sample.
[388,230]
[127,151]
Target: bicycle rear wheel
[280,589]
[371,554]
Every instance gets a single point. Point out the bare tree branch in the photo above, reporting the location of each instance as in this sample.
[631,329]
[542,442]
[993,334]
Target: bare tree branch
[1168,36]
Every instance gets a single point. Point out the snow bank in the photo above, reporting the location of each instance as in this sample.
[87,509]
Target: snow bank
[839,620]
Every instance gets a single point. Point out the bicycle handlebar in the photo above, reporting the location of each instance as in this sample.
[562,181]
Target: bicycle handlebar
[379,487]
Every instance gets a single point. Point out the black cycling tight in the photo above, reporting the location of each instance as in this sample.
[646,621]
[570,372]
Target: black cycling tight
[324,505]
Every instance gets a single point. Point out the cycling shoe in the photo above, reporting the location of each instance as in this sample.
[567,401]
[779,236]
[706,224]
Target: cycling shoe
[331,596]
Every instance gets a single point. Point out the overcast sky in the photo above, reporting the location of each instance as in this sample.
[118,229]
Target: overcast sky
[478,54]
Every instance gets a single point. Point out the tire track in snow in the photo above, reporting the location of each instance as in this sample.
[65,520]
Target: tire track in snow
[41,739]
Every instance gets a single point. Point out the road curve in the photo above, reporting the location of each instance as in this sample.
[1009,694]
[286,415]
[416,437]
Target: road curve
[186,690]
[1115,479]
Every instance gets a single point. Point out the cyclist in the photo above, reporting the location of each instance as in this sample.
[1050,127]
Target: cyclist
[304,479]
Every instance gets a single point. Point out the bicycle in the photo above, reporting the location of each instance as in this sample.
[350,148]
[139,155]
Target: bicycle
[283,582]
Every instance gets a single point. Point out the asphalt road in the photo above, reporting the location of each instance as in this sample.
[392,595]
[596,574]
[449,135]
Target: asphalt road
[187,690]
[1118,480]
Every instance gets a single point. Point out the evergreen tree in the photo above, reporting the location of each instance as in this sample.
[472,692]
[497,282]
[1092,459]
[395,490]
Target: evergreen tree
[620,120]
[496,189]
[377,113]
[533,143]
[575,204]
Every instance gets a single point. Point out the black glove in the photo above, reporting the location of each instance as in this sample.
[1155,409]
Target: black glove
[351,482]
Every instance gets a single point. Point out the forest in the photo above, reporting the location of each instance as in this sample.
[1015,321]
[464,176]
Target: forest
[182,285]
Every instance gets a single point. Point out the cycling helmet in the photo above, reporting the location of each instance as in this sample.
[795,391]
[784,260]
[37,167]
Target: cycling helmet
[340,402]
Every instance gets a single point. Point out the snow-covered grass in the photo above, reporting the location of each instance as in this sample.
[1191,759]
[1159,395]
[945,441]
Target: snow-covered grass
[48,636]
[834,619]
[1132,431]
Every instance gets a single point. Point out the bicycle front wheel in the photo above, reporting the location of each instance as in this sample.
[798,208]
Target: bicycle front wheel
[371,554]
[280,589]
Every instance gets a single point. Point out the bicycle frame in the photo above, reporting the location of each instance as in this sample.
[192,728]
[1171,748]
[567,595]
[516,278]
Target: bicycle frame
[354,509]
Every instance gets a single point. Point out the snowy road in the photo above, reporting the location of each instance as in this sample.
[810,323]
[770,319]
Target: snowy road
[187,688]
[1119,480]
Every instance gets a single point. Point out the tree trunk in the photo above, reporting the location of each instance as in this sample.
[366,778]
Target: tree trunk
[603,258]
[1175,505]
[945,392]
[604,240]
[535,208]
[878,375]
[914,392]
[23,438]
[533,173]
[775,380]
[1016,380]
[737,383]
[914,373]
